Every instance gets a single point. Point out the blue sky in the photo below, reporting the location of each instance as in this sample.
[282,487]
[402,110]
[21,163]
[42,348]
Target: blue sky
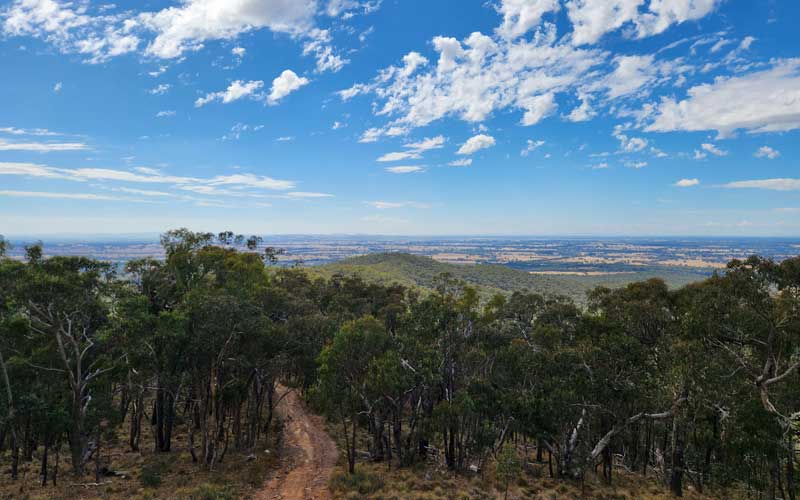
[514,117]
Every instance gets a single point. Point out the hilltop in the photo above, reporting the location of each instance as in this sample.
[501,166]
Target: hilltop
[420,271]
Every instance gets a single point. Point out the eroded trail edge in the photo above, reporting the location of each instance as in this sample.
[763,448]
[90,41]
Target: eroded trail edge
[309,455]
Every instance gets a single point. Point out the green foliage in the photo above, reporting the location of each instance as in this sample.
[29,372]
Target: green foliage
[508,467]
[151,475]
[362,482]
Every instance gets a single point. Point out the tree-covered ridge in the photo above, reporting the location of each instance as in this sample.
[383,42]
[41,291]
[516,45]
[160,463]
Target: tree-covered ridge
[420,271]
[697,386]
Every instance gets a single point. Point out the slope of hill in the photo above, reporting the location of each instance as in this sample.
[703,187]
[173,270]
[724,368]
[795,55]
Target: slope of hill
[415,270]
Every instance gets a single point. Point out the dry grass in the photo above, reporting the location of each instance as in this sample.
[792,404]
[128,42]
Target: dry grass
[149,475]
[379,482]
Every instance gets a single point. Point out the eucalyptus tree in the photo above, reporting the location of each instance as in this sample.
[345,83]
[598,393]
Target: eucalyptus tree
[65,300]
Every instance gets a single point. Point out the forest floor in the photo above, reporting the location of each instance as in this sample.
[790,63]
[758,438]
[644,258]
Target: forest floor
[308,455]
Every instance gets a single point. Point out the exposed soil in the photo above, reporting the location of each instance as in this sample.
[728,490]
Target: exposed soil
[308,459]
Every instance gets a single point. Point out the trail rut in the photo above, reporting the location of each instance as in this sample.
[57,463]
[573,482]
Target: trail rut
[309,456]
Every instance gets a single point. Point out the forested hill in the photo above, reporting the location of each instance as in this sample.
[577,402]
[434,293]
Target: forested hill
[421,271]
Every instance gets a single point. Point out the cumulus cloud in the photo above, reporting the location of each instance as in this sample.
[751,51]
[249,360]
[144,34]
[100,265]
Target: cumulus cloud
[194,22]
[237,90]
[79,27]
[781,184]
[285,84]
[519,16]
[767,152]
[762,101]
[478,75]
[687,183]
[475,144]
[591,19]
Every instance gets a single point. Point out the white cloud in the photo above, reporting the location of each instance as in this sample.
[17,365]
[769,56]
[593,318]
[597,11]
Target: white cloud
[57,87]
[307,194]
[348,8]
[461,162]
[630,144]
[385,205]
[582,113]
[239,128]
[399,156]
[699,155]
[285,84]
[479,75]
[762,101]
[636,164]
[190,24]
[592,19]
[28,131]
[537,108]
[687,183]
[767,152]
[42,147]
[147,176]
[519,16]
[319,45]
[61,196]
[714,150]
[630,74]
[144,192]
[475,144]
[405,169]
[426,144]
[160,89]
[770,184]
[600,166]
[531,147]
[415,149]
[235,91]
[238,51]
[285,138]
[165,114]
[337,125]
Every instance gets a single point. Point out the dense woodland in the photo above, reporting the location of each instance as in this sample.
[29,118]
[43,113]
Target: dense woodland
[697,386]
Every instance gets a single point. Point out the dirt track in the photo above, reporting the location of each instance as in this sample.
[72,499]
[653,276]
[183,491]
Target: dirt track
[309,456]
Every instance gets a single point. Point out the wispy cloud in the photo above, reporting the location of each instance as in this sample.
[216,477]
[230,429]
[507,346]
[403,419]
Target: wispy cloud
[683,183]
[405,169]
[385,205]
[783,184]
[42,147]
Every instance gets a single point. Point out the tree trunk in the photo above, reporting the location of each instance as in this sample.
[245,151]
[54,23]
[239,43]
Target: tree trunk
[43,472]
[676,478]
[790,487]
